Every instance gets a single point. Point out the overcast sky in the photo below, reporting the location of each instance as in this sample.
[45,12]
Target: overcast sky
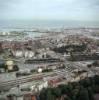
[50,9]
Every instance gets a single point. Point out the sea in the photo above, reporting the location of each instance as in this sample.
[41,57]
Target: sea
[21,25]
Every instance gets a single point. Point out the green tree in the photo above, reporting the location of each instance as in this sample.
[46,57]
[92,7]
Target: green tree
[90,93]
[57,92]
[49,96]
[63,89]
[83,95]
[96,78]
[42,95]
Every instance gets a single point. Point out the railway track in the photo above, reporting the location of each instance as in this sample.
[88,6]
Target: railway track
[18,81]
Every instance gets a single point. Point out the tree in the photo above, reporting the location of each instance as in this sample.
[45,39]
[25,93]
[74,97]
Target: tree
[67,98]
[63,89]
[16,68]
[95,63]
[42,95]
[56,91]
[96,78]
[96,89]
[49,96]
[75,93]
[69,88]
[83,95]
[90,93]
[89,65]
[86,82]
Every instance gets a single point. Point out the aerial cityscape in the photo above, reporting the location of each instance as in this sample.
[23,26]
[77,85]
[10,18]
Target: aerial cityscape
[48,52]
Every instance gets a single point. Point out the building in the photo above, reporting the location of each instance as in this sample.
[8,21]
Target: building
[29,97]
[39,86]
[10,65]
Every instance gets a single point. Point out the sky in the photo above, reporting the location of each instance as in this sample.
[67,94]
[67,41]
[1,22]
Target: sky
[50,9]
